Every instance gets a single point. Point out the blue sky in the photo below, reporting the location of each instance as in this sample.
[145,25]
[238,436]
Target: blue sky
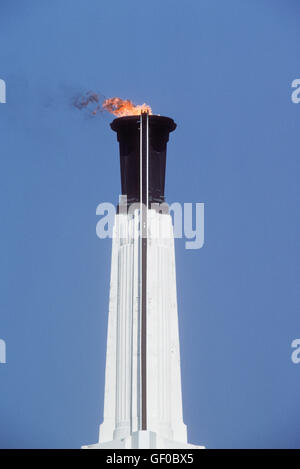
[223,72]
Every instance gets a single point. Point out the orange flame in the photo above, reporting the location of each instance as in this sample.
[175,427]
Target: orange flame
[124,107]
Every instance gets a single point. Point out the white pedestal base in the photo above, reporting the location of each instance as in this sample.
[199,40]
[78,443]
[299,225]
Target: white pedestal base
[142,440]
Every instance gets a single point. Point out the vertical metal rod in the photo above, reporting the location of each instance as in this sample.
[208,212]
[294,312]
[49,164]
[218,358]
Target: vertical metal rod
[144,200]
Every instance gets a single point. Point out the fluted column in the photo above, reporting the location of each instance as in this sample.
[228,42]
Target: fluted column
[123,372]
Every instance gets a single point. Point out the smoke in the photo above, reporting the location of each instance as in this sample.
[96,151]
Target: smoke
[90,101]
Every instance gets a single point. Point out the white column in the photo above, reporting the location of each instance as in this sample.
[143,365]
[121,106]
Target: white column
[165,426]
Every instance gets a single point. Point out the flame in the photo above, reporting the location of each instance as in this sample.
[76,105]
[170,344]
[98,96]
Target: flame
[124,107]
[96,103]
